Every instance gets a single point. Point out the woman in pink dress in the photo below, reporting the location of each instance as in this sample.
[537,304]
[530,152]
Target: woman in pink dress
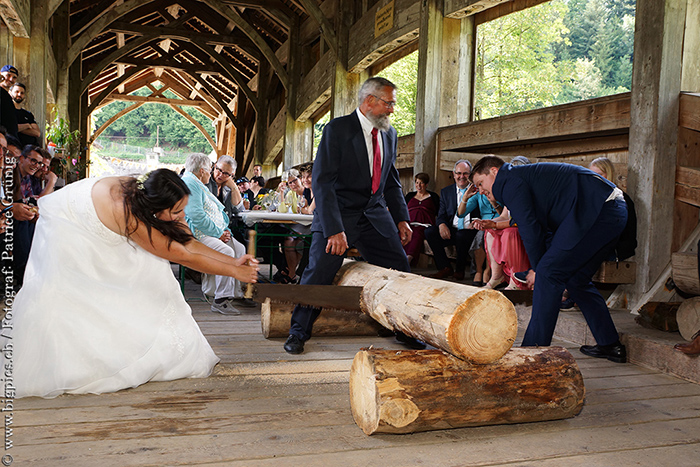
[422,209]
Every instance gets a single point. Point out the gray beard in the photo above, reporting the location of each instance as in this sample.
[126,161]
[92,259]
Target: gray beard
[382,122]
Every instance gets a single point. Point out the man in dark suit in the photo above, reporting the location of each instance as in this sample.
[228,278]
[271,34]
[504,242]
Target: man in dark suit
[354,182]
[449,229]
[569,219]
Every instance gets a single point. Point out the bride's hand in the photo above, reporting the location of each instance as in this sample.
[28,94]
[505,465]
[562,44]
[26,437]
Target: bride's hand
[246,268]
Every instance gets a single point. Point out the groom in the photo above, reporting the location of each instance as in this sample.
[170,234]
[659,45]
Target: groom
[354,182]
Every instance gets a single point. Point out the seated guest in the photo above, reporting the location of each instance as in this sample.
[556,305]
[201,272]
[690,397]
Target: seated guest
[505,250]
[422,209]
[293,246]
[222,185]
[310,203]
[470,201]
[257,187]
[208,221]
[44,180]
[24,210]
[450,229]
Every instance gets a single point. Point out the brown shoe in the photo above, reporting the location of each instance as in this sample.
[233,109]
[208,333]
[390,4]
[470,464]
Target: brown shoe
[459,276]
[690,349]
[443,273]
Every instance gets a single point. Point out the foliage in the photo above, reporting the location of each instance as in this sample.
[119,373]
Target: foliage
[403,74]
[318,130]
[142,126]
[553,53]
[58,132]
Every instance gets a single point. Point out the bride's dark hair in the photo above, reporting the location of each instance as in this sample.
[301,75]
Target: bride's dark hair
[143,200]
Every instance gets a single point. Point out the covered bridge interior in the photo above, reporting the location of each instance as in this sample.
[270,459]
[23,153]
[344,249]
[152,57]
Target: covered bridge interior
[265,71]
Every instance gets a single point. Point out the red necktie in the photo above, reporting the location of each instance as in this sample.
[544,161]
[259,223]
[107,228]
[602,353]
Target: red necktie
[377,163]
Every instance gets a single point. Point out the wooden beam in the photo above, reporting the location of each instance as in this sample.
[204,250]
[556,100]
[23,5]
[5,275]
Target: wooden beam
[16,15]
[155,100]
[229,113]
[688,185]
[594,117]
[112,120]
[504,8]
[113,57]
[312,8]
[165,63]
[99,26]
[689,114]
[195,123]
[233,16]
[95,104]
[459,9]
[86,21]
[232,39]
[236,76]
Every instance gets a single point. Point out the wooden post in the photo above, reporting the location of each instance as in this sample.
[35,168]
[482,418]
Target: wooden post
[422,390]
[429,92]
[474,324]
[276,316]
[656,80]
[36,88]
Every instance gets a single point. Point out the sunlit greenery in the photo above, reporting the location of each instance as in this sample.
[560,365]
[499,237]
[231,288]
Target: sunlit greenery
[557,52]
[403,74]
[140,126]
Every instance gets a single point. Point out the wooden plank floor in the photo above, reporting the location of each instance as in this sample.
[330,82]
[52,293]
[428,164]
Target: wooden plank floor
[263,407]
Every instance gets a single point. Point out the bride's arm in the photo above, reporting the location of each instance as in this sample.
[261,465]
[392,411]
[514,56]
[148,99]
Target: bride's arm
[195,255]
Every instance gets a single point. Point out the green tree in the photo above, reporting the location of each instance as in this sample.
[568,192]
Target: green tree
[403,73]
[515,64]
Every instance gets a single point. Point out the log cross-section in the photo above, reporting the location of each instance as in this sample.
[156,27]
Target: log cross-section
[478,325]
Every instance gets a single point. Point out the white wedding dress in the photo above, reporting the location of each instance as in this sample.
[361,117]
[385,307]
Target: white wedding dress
[97,313]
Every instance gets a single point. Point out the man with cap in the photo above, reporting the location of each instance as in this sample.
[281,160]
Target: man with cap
[28,130]
[8,117]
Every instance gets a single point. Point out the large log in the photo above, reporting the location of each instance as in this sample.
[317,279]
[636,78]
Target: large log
[688,318]
[474,324]
[276,316]
[685,272]
[410,391]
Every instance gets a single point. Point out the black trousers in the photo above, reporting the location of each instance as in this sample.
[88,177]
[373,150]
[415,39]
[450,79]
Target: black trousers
[462,239]
[322,268]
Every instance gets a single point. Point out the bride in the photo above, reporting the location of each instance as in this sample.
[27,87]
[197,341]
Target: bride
[100,309]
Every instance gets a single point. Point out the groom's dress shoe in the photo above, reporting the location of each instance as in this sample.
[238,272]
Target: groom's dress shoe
[690,349]
[294,345]
[615,352]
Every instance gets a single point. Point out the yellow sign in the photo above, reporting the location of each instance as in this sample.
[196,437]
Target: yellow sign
[384,19]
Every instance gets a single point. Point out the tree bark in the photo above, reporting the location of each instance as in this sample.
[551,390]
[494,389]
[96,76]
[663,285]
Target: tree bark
[685,272]
[474,324]
[275,318]
[411,391]
[688,318]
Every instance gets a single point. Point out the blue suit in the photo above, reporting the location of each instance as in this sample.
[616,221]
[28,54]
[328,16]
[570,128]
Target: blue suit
[345,203]
[462,239]
[569,225]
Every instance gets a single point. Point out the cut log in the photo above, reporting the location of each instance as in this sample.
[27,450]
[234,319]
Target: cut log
[474,324]
[275,318]
[685,272]
[616,272]
[659,315]
[422,390]
[688,318]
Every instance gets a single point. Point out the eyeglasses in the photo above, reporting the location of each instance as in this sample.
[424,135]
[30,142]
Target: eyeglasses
[36,162]
[391,105]
[223,172]
[4,151]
